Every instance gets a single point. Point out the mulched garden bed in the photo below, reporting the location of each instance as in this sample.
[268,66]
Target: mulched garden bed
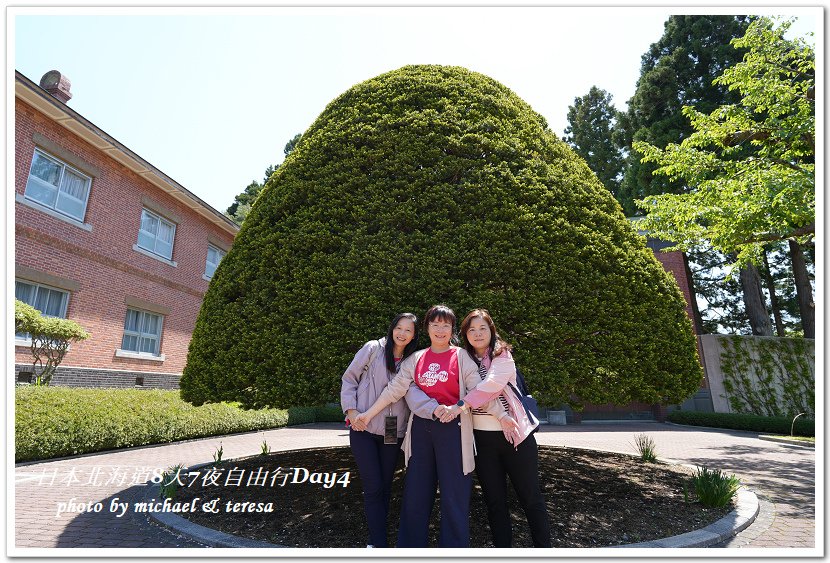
[595,499]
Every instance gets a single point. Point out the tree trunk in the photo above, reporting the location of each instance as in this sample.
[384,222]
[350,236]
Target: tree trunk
[756,307]
[803,290]
[773,298]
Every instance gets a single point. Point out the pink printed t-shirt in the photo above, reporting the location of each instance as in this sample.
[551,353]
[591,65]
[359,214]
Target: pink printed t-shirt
[437,375]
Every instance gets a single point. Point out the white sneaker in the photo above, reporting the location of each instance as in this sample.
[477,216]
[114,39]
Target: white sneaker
[370,545]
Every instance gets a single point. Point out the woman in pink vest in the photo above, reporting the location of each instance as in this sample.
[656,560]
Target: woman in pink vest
[498,453]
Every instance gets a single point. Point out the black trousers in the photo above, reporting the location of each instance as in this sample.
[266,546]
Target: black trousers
[495,460]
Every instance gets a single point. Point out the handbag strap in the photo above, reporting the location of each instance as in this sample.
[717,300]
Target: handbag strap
[521,400]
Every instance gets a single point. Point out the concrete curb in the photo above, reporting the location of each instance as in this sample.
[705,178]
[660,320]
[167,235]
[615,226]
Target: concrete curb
[736,521]
[207,536]
[728,526]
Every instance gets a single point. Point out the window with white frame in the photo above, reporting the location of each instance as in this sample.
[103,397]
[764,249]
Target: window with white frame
[156,234]
[142,332]
[57,186]
[48,300]
[214,256]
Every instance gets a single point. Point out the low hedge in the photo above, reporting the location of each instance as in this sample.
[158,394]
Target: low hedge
[55,422]
[750,422]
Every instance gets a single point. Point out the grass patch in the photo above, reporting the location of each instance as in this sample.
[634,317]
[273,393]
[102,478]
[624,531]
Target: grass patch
[55,422]
[805,439]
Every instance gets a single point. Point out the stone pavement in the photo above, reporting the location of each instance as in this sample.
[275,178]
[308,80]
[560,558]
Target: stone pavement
[782,476]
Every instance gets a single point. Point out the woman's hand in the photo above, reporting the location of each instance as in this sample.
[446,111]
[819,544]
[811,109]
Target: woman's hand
[510,428]
[360,422]
[450,413]
[351,415]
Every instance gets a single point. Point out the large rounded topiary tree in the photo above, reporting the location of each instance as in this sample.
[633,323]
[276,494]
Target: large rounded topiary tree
[427,185]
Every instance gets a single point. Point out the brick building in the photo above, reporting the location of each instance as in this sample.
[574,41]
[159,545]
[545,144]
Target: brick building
[104,238]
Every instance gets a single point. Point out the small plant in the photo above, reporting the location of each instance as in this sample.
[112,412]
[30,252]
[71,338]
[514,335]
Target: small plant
[217,455]
[646,447]
[264,448]
[169,483]
[712,487]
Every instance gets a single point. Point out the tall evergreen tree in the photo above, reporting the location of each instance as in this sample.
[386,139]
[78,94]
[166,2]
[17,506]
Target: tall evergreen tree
[242,203]
[591,122]
[676,71]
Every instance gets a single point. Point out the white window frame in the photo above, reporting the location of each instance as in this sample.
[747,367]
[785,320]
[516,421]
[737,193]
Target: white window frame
[53,208]
[27,340]
[209,276]
[125,353]
[152,252]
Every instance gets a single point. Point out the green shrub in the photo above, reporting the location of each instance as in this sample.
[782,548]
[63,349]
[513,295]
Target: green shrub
[434,184]
[712,488]
[60,421]
[329,414]
[301,415]
[50,336]
[750,422]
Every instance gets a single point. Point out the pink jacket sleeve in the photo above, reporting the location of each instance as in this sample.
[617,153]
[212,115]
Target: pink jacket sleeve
[502,370]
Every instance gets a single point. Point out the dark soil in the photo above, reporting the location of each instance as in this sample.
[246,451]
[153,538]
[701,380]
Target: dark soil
[594,499]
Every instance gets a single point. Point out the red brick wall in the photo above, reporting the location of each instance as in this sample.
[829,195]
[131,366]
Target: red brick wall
[675,262]
[103,261]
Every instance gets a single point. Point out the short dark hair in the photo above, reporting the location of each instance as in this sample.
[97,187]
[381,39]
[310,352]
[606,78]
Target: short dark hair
[389,352]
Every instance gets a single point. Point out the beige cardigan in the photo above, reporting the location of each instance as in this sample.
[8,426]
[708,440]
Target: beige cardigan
[468,378]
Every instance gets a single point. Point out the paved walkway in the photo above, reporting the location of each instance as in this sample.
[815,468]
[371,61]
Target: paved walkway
[782,476]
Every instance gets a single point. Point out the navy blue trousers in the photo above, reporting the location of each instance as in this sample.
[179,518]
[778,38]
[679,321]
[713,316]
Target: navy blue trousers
[435,461]
[376,462]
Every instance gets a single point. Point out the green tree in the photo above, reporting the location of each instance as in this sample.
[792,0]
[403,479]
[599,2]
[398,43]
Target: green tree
[750,165]
[591,123]
[676,71]
[242,203]
[435,184]
[50,337]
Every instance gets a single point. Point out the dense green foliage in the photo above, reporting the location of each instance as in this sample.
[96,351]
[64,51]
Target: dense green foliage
[590,131]
[749,422]
[50,336]
[435,184]
[677,71]
[749,166]
[61,421]
[742,200]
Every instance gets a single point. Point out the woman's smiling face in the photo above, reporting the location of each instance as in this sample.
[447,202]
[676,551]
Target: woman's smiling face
[440,331]
[479,335]
[403,333]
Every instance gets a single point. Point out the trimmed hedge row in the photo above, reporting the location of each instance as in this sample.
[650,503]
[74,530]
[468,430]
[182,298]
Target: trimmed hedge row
[750,422]
[55,422]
